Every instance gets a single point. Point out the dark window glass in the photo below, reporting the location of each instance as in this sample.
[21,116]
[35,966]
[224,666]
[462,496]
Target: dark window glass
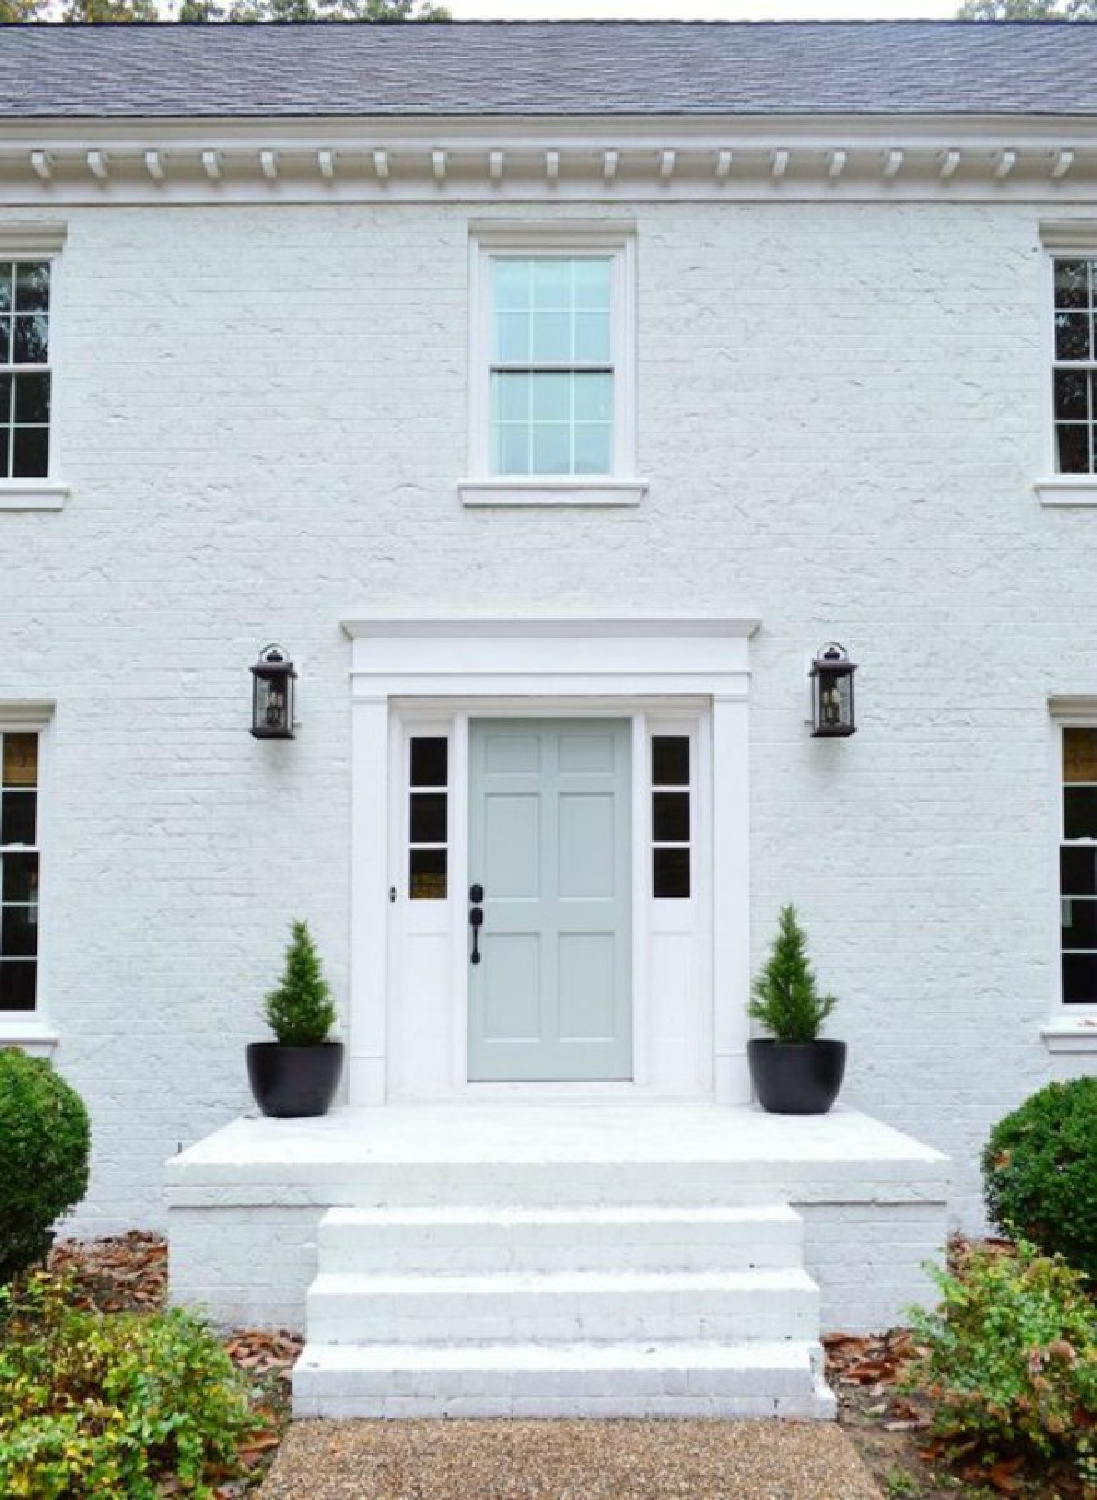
[670,874]
[670,760]
[32,398]
[429,761]
[1072,395]
[427,874]
[1080,978]
[6,274]
[17,817]
[18,931]
[1078,872]
[18,877]
[1079,919]
[1072,335]
[30,452]
[1072,442]
[17,984]
[1071,283]
[428,818]
[1080,812]
[670,817]
[32,286]
[30,339]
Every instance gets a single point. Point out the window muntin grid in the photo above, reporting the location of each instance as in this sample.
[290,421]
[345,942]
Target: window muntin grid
[1078,867]
[552,365]
[1074,373]
[25,376]
[19,870]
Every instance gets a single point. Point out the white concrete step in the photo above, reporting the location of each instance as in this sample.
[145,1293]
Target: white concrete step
[649,1379]
[563,1307]
[469,1240]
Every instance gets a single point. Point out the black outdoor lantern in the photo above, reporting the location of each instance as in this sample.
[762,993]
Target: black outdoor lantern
[832,693]
[272,695]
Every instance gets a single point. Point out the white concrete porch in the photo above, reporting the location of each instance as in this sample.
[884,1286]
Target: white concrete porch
[245,1204]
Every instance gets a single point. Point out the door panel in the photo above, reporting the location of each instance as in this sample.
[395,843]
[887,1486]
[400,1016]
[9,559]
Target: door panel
[549,841]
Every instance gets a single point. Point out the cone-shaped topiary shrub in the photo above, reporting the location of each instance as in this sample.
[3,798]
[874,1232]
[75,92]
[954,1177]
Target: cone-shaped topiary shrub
[1040,1172]
[45,1141]
[786,999]
[300,1011]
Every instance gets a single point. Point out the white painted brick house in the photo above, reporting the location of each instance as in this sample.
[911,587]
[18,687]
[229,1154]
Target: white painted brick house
[552,394]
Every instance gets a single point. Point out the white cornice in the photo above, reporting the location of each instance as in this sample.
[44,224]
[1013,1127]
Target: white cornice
[603,160]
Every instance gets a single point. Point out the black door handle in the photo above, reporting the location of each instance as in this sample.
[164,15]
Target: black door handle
[476,921]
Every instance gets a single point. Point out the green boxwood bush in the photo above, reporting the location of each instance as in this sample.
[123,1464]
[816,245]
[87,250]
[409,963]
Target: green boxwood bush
[1010,1359]
[113,1405]
[45,1140]
[1040,1172]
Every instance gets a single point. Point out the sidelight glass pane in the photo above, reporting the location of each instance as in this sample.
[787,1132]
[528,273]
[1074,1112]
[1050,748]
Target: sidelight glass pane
[1078,871]
[670,760]
[429,760]
[20,762]
[17,984]
[670,874]
[17,817]
[670,817]
[427,874]
[1080,978]
[427,823]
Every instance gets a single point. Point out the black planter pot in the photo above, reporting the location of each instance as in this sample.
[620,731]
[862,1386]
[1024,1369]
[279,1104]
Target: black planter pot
[796,1078]
[292,1083]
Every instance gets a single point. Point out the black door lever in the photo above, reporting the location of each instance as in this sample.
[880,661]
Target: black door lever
[476,921]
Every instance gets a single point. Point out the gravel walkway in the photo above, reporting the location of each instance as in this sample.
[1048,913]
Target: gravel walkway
[591,1460]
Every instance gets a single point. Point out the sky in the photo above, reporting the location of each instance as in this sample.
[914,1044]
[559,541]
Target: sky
[700,10]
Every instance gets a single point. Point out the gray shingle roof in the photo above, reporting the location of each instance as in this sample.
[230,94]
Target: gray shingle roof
[561,68]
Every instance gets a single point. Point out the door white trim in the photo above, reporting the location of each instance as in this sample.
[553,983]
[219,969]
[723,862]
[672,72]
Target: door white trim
[550,667]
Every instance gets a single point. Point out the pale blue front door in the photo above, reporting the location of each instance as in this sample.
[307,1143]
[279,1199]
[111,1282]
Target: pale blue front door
[549,843]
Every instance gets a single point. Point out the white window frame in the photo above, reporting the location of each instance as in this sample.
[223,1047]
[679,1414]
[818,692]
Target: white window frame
[37,242]
[611,238]
[30,1029]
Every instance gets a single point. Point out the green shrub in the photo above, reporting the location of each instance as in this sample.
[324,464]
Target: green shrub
[1040,1172]
[786,1001]
[300,1011]
[1010,1358]
[45,1139]
[110,1405]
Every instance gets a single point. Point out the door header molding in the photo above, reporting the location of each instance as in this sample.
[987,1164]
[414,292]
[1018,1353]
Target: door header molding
[478,658]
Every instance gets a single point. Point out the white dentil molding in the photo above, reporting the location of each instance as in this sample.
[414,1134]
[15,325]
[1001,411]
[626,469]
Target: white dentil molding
[601,158]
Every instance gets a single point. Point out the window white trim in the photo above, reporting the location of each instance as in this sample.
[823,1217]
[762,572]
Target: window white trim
[616,238]
[39,241]
[1070,1028]
[30,1028]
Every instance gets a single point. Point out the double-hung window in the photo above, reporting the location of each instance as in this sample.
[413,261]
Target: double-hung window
[20,867]
[553,379]
[28,296]
[1075,365]
[1078,865]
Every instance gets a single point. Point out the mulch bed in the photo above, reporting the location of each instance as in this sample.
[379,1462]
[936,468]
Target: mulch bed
[890,1428]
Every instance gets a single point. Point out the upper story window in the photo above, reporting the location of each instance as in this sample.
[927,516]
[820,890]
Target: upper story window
[24,369]
[1075,365]
[553,367]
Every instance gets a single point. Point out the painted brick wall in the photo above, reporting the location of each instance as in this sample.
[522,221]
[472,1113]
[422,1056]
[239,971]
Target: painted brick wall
[263,418]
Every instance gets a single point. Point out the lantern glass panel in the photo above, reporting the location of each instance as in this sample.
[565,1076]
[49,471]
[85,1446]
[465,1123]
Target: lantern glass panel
[271,704]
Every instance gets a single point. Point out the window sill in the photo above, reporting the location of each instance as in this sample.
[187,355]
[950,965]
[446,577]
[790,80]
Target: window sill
[31,1035]
[1071,1036]
[582,491]
[32,494]
[1067,489]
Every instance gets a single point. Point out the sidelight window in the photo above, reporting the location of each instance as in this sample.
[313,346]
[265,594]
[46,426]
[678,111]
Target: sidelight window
[428,818]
